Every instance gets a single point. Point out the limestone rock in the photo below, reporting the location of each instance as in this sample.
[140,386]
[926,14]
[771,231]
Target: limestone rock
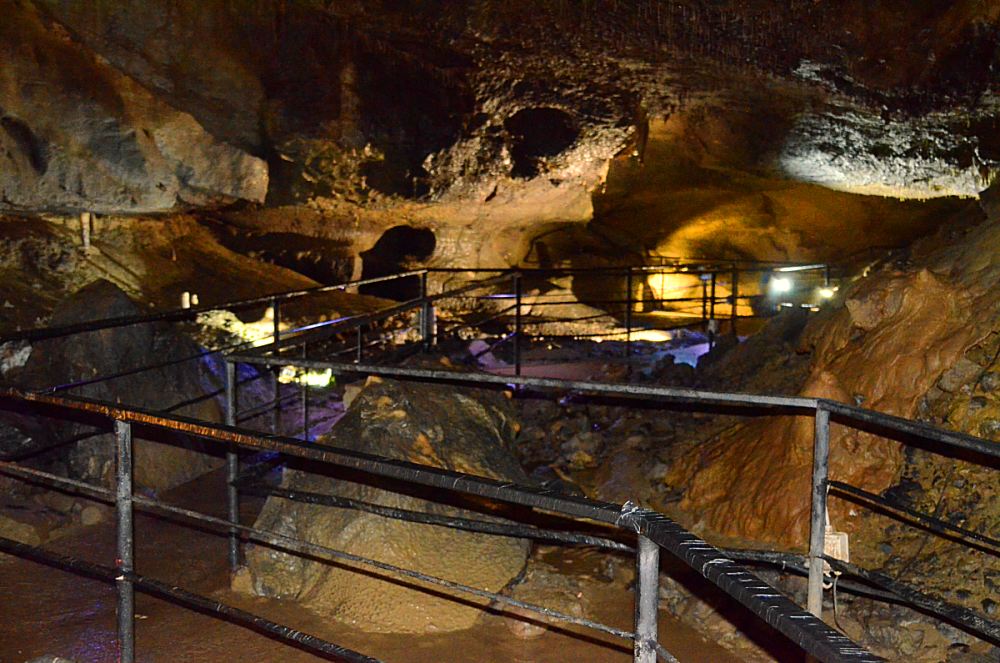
[109,352]
[91,515]
[463,430]
[83,136]
[908,333]
[543,585]
[18,531]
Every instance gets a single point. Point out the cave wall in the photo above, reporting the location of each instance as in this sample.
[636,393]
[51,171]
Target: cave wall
[900,338]
[76,134]
[616,131]
[371,104]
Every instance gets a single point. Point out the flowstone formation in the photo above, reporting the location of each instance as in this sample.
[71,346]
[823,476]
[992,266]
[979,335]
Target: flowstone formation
[916,338]
[467,431]
[899,333]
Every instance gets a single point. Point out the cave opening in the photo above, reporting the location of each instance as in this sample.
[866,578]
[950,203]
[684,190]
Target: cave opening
[537,134]
[399,249]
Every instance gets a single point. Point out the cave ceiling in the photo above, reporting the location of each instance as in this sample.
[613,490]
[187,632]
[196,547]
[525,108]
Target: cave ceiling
[438,110]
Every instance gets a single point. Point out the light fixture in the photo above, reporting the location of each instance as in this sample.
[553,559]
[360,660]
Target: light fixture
[781,285]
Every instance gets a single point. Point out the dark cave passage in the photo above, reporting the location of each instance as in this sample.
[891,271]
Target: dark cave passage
[396,251]
[538,133]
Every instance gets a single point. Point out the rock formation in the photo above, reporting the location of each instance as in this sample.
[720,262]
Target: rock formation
[76,134]
[355,118]
[904,336]
[467,431]
[109,352]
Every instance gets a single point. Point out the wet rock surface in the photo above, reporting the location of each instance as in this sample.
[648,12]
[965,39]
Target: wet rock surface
[468,431]
[914,322]
[544,585]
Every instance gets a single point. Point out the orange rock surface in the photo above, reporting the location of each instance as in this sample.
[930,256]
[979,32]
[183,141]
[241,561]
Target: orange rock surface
[897,333]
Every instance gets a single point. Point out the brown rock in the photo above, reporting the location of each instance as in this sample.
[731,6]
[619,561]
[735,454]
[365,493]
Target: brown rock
[754,481]
[84,136]
[91,515]
[467,431]
[18,531]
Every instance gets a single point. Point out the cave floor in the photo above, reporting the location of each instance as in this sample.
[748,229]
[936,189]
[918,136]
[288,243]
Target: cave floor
[48,611]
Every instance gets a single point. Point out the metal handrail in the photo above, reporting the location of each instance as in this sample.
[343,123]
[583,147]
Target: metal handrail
[646,524]
[284,296]
[985,451]
[192,312]
[655,530]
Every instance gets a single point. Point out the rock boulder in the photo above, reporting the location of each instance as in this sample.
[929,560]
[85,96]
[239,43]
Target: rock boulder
[458,429]
[80,357]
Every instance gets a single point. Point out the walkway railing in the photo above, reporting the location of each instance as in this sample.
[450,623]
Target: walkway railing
[907,431]
[654,532]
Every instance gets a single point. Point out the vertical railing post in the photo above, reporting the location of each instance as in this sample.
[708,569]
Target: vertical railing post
[426,315]
[628,316]
[736,296]
[646,600]
[711,314]
[817,516]
[276,412]
[232,469]
[125,540]
[517,324]
[704,300]
[304,389]
[85,230]
[359,351]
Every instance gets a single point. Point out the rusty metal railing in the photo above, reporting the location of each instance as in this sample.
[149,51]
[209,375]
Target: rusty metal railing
[654,531]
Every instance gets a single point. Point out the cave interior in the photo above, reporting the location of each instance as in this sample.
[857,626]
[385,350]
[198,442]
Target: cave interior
[511,297]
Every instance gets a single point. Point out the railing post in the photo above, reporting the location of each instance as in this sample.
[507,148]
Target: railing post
[646,600]
[276,413]
[304,389]
[125,540]
[711,314]
[517,324]
[359,352]
[426,316]
[817,518]
[232,469]
[704,299]
[628,316]
[423,310]
[736,296]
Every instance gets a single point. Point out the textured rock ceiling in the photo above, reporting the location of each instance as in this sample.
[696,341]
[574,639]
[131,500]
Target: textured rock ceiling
[435,109]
